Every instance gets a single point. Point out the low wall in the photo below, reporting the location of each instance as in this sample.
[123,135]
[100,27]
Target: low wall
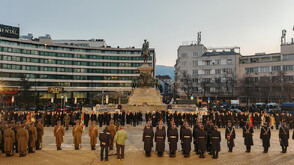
[144,109]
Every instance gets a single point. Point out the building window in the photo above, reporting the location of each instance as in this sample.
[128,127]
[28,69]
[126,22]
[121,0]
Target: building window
[195,72]
[264,69]
[206,62]
[206,71]
[288,57]
[288,68]
[195,80]
[184,63]
[195,63]
[229,62]
[217,62]
[276,68]
[228,70]
[195,54]
[251,70]
[184,55]
[217,71]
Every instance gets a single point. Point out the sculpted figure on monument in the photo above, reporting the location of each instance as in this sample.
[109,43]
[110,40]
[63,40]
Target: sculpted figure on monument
[145,51]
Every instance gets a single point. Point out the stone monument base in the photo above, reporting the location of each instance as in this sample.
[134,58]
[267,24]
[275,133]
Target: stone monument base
[145,96]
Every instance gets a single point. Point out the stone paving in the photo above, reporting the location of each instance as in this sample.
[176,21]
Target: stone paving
[134,153]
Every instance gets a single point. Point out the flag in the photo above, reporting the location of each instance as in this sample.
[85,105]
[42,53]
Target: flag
[250,119]
[83,121]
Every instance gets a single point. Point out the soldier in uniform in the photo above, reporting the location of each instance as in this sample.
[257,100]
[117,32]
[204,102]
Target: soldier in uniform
[32,137]
[66,121]
[148,135]
[18,126]
[104,138]
[9,138]
[195,130]
[247,135]
[3,128]
[186,140]
[112,130]
[40,133]
[160,136]
[22,138]
[77,135]
[215,139]
[202,139]
[230,136]
[265,135]
[58,133]
[93,134]
[284,136]
[172,135]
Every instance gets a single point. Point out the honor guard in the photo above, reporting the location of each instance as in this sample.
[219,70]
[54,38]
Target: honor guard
[248,136]
[58,133]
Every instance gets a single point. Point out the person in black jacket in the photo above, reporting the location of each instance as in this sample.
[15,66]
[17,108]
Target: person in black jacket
[265,135]
[202,139]
[100,119]
[230,136]
[104,138]
[247,135]
[148,135]
[195,130]
[186,138]
[93,117]
[215,139]
[160,136]
[172,135]
[284,136]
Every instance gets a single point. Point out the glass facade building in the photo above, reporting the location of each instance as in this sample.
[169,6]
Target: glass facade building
[82,71]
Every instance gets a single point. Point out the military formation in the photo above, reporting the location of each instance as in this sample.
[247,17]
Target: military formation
[21,132]
[21,137]
[202,130]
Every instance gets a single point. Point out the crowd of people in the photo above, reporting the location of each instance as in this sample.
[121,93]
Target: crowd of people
[22,132]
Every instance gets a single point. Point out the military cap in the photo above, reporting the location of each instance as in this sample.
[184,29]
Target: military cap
[23,125]
[18,122]
[12,121]
[93,122]
[58,122]
[10,125]
[77,121]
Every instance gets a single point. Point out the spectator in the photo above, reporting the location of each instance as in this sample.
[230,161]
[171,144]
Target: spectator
[120,138]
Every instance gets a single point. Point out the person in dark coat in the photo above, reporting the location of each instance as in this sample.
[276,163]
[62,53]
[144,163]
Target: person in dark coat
[195,131]
[173,137]
[202,139]
[186,140]
[104,138]
[148,135]
[160,136]
[230,136]
[284,136]
[247,135]
[215,139]
[100,119]
[265,135]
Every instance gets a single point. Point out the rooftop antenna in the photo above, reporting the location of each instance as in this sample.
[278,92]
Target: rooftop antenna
[283,38]
[198,38]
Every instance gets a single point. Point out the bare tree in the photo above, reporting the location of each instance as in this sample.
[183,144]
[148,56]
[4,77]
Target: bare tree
[187,84]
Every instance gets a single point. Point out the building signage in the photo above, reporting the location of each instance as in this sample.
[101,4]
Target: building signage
[9,31]
[9,91]
[55,90]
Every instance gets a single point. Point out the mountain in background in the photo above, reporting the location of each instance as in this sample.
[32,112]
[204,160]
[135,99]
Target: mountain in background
[165,70]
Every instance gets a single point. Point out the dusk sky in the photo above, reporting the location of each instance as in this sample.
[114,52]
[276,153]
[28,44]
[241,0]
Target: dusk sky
[253,25]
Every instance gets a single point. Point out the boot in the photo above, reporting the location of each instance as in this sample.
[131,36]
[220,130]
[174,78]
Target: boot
[216,155]
[285,149]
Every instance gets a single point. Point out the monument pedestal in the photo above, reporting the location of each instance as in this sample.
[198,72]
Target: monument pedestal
[145,96]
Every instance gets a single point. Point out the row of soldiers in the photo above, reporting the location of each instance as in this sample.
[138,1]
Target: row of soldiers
[21,137]
[206,138]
